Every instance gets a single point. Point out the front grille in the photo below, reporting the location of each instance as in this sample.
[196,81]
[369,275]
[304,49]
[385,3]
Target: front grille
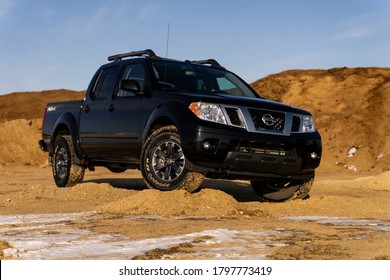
[233,116]
[266,148]
[296,124]
[263,121]
[267,120]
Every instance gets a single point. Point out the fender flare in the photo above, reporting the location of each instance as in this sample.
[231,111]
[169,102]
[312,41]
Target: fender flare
[67,121]
[172,113]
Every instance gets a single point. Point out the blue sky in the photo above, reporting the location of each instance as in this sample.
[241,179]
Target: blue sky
[46,44]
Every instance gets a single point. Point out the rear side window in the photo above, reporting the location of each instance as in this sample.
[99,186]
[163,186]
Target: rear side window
[106,82]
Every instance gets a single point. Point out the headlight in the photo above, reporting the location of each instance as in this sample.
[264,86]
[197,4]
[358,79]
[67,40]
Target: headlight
[208,112]
[307,124]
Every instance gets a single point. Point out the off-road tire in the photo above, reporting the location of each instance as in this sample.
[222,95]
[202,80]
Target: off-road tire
[66,172]
[163,162]
[277,190]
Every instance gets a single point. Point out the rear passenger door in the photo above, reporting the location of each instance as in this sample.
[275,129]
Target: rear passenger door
[125,119]
[92,115]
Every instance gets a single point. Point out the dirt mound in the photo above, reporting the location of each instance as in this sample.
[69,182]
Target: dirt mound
[19,143]
[81,192]
[30,105]
[379,182]
[207,202]
[350,110]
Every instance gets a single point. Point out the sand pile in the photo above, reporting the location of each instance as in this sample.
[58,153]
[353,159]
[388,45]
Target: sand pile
[81,192]
[207,202]
[379,182]
[20,124]
[30,105]
[19,143]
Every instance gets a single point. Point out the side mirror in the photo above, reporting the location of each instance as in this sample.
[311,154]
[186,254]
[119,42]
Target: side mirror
[130,86]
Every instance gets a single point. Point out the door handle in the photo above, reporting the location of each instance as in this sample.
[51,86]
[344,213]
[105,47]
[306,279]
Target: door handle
[87,109]
[111,107]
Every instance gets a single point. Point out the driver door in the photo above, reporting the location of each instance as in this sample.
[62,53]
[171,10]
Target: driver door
[124,120]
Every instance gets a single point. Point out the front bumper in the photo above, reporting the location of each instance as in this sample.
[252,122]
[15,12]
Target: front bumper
[232,153]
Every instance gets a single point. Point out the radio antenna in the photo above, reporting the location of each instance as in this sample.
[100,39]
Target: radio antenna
[166,56]
[166,52]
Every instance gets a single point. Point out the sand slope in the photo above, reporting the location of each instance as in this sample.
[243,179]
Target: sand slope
[30,105]
[350,107]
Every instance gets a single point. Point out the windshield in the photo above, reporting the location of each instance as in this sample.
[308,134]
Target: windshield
[179,76]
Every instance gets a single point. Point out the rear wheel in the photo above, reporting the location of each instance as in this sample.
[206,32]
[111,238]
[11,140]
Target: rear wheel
[163,162]
[272,189]
[66,172]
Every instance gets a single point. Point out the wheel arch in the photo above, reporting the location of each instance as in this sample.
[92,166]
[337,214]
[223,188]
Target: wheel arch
[171,113]
[155,124]
[66,124]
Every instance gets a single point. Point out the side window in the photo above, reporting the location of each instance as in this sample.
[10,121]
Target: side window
[106,82]
[133,72]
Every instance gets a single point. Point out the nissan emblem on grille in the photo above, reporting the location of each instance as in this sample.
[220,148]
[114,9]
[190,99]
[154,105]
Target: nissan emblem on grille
[268,120]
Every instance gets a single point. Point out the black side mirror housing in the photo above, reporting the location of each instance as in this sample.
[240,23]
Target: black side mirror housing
[131,86]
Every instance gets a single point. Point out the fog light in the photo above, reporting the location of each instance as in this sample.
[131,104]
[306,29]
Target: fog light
[313,155]
[206,145]
[210,145]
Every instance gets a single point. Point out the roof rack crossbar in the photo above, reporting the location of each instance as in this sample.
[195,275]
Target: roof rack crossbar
[147,52]
[210,61]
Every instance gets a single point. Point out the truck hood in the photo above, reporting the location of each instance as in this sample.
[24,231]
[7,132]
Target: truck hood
[259,103]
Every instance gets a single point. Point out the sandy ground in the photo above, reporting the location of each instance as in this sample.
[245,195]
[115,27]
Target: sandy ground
[346,217]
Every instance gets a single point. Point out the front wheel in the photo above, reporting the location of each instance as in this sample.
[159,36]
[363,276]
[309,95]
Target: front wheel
[163,162]
[66,172]
[272,189]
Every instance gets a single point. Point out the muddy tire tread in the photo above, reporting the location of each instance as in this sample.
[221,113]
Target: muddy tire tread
[76,173]
[192,180]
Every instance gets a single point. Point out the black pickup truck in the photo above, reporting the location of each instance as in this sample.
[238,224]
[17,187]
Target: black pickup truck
[178,122]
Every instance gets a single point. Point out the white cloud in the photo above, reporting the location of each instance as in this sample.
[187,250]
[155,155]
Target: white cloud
[108,14]
[147,12]
[358,27]
[304,59]
[47,13]
[96,19]
[355,32]
[5,7]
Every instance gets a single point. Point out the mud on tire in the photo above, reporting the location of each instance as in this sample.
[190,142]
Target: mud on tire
[66,172]
[163,162]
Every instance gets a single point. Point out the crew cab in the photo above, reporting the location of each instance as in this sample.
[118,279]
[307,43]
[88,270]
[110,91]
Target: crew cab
[179,122]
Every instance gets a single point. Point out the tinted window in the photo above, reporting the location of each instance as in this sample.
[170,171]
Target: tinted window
[106,82]
[227,86]
[133,72]
[178,76]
